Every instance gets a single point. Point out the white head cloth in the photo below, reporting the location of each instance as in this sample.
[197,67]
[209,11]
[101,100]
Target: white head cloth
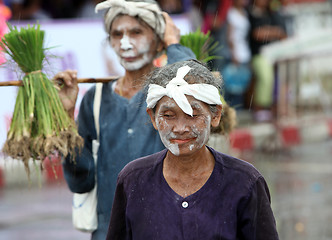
[148,12]
[177,88]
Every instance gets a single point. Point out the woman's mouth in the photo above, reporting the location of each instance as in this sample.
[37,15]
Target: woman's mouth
[129,56]
[129,59]
[181,141]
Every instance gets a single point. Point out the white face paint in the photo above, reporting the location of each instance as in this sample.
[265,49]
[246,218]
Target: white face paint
[133,42]
[125,43]
[137,56]
[179,132]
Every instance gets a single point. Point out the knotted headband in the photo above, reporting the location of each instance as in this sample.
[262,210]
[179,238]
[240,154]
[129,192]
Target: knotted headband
[148,12]
[177,88]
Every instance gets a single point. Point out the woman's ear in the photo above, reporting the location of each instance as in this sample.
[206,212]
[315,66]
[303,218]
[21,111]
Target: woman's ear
[152,117]
[216,117]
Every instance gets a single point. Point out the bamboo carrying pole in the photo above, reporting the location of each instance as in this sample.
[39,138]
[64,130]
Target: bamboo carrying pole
[79,80]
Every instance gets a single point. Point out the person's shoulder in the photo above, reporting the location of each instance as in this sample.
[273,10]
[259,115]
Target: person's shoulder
[106,89]
[231,11]
[90,92]
[141,165]
[177,52]
[236,165]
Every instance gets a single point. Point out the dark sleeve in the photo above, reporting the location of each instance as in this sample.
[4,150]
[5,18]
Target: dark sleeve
[118,228]
[80,172]
[256,220]
[177,53]
[279,20]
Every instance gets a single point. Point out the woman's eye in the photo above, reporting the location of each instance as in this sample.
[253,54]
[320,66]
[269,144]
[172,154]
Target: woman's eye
[168,115]
[136,32]
[116,34]
[195,114]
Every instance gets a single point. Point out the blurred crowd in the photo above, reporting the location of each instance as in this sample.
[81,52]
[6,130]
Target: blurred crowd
[241,27]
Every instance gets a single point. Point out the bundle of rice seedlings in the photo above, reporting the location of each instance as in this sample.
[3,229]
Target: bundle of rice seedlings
[40,125]
[202,44]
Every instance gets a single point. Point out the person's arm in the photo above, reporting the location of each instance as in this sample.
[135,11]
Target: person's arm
[118,228]
[269,33]
[276,30]
[177,53]
[174,50]
[229,36]
[80,171]
[256,219]
[66,83]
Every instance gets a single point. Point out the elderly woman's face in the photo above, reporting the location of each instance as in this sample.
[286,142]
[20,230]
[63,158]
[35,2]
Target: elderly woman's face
[135,43]
[181,133]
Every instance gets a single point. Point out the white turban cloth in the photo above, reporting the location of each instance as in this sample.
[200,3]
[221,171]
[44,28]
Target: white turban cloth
[148,12]
[177,88]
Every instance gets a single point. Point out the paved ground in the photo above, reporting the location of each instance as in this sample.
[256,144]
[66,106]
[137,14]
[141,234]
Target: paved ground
[300,183]
[37,213]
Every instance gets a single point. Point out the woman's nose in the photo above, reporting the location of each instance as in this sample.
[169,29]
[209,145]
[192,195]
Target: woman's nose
[181,125]
[125,43]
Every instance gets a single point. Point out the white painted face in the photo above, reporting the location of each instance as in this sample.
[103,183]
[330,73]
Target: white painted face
[134,43]
[181,133]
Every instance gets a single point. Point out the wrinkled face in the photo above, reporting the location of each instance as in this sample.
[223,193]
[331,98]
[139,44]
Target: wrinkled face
[181,133]
[134,42]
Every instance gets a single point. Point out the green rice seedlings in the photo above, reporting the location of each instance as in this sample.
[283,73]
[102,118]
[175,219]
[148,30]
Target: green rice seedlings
[202,44]
[40,125]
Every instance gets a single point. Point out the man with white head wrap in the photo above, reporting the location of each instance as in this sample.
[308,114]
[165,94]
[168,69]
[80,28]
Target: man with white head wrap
[138,32]
[149,12]
[189,190]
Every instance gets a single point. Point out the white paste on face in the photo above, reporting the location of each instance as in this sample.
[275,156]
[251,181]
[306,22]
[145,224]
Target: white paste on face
[201,134]
[125,43]
[133,48]
[172,147]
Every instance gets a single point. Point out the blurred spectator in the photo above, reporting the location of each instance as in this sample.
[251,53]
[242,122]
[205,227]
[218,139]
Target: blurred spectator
[195,14]
[266,26]
[5,14]
[6,2]
[86,9]
[214,14]
[41,10]
[60,8]
[211,13]
[171,6]
[28,10]
[236,72]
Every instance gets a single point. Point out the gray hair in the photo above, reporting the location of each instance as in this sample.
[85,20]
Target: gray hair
[199,73]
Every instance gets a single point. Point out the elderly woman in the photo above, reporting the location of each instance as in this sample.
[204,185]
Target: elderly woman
[189,190]
[138,32]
